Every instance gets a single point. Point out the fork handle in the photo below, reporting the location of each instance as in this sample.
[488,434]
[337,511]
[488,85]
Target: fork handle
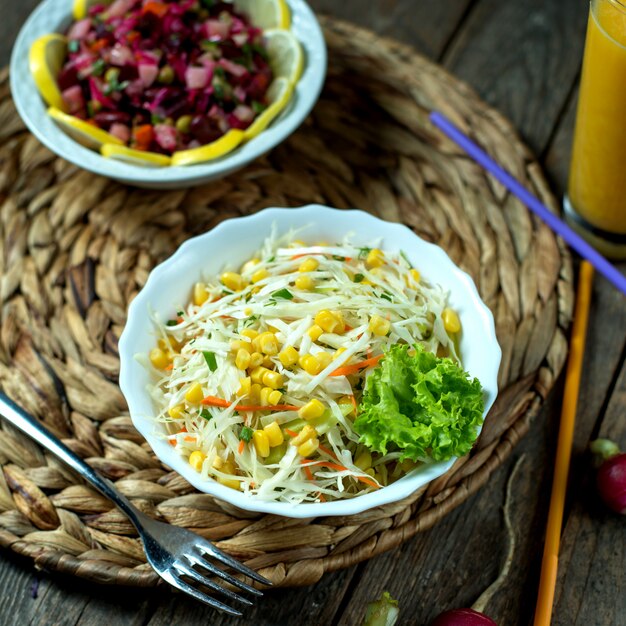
[35,430]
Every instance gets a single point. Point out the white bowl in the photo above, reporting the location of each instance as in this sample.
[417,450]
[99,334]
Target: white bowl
[54,16]
[232,242]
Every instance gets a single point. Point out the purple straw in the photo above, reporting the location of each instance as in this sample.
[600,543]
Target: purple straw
[515,187]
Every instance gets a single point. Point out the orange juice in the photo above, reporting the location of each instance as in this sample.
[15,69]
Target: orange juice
[597,180]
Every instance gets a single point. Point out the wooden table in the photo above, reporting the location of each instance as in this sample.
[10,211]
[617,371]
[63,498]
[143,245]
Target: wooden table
[523,57]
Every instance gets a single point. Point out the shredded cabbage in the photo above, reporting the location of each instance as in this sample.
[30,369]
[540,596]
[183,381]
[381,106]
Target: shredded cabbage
[375,300]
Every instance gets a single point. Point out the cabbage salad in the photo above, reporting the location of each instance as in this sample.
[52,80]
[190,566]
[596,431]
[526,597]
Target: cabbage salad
[313,373]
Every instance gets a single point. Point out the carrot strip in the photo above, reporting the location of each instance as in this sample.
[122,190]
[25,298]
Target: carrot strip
[327,451]
[189,438]
[291,433]
[183,429]
[308,472]
[242,445]
[353,399]
[346,370]
[214,401]
[172,442]
[320,496]
[341,468]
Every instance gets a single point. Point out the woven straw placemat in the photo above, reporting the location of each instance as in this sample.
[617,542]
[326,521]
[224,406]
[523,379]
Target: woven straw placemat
[77,248]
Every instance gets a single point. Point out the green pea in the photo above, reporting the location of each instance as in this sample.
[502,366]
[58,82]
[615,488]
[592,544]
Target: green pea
[166,74]
[183,124]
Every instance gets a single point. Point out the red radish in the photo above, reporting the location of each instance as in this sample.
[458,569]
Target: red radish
[463,617]
[611,476]
[121,55]
[234,68]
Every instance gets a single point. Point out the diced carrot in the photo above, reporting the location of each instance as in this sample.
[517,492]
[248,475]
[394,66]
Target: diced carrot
[156,8]
[169,368]
[242,445]
[183,429]
[189,439]
[132,36]
[99,44]
[346,370]
[143,136]
[172,442]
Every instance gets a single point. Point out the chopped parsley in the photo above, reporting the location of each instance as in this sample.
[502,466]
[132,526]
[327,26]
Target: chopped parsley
[210,359]
[245,434]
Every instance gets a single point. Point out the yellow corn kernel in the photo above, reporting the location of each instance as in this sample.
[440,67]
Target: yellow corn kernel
[194,394]
[242,360]
[257,374]
[308,432]
[451,321]
[375,258]
[297,243]
[200,294]
[309,447]
[364,460]
[305,283]
[379,325]
[230,482]
[229,466]
[268,343]
[309,265]
[261,443]
[233,281]
[273,379]
[338,353]
[176,412]
[274,397]
[196,459]
[255,393]
[324,359]
[341,325]
[244,386]
[159,358]
[259,275]
[248,266]
[327,321]
[415,275]
[249,333]
[310,364]
[288,357]
[265,396]
[268,363]
[312,409]
[256,359]
[315,332]
[218,463]
[240,344]
[274,434]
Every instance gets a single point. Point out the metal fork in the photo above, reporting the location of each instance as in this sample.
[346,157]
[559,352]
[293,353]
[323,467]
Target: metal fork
[172,551]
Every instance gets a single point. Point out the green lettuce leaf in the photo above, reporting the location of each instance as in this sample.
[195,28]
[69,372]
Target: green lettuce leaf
[423,405]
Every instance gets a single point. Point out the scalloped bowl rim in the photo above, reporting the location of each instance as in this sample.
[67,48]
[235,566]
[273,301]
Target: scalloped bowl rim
[48,18]
[481,353]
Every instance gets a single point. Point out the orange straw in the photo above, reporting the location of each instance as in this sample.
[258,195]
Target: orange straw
[550,562]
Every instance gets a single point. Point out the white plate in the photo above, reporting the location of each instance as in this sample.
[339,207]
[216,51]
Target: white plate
[232,242]
[54,16]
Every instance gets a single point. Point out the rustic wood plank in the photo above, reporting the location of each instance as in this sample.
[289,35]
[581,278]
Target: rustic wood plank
[282,606]
[427,25]
[523,58]
[590,586]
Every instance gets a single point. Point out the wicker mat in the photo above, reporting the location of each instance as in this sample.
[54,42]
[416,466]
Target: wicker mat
[77,248]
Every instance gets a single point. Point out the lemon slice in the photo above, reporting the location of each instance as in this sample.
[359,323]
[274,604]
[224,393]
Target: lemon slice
[46,60]
[210,151]
[278,95]
[265,13]
[135,157]
[285,54]
[83,132]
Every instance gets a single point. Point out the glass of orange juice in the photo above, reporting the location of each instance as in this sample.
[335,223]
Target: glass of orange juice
[595,204]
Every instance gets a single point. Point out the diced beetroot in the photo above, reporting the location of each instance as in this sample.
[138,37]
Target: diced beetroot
[119,7]
[216,30]
[68,76]
[204,130]
[121,55]
[135,88]
[73,97]
[147,73]
[233,68]
[121,131]
[166,136]
[196,77]
[107,118]
[79,29]
[240,93]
